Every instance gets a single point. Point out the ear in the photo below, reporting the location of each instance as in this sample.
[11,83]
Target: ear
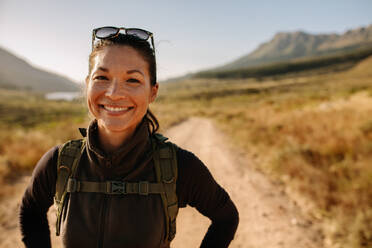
[86,80]
[154,92]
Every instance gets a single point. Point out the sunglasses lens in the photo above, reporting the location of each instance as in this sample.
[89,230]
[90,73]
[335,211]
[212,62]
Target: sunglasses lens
[106,32]
[139,33]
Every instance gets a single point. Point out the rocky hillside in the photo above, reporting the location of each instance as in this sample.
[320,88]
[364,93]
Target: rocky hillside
[15,73]
[288,46]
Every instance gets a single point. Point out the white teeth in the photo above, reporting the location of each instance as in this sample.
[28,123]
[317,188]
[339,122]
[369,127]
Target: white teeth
[114,109]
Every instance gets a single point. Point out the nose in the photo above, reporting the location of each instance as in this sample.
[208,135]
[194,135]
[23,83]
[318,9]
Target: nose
[113,91]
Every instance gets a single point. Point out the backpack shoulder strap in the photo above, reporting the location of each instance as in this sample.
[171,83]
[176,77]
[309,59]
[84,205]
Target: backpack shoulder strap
[68,159]
[160,138]
[165,162]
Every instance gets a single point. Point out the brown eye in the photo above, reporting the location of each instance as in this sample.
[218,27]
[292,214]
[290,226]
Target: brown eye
[133,80]
[100,78]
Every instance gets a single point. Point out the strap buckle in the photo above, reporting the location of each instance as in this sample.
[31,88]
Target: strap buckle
[72,185]
[116,187]
[143,188]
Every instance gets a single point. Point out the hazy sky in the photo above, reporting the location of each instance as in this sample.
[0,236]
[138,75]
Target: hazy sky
[189,35]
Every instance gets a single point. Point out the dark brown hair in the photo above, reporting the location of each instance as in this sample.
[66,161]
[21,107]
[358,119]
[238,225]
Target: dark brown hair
[144,49]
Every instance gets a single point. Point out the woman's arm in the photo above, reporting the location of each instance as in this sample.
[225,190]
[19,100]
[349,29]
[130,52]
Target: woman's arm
[197,187]
[36,201]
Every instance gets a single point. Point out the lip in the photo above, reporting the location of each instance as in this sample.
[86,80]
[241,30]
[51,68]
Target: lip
[114,109]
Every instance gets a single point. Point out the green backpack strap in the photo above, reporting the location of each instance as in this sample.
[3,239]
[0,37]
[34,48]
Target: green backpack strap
[68,159]
[165,162]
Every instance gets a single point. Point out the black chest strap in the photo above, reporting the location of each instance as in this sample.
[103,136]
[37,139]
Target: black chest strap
[115,187]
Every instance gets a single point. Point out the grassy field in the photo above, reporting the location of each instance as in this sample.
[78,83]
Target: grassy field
[29,126]
[312,134]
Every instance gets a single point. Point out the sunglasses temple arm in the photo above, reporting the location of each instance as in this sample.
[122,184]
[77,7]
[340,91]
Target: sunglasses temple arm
[93,39]
[153,45]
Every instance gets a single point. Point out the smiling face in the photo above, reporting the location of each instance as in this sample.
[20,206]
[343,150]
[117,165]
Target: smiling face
[119,89]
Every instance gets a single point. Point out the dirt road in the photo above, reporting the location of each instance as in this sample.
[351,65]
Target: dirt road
[267,217]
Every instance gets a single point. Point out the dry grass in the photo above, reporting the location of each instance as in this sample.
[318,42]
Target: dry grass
[21,149]
[30,125]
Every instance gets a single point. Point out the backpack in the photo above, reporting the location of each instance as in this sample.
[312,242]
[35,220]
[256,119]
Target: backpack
[165,163]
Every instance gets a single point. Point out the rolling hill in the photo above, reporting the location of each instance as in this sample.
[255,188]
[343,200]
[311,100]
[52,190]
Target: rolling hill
[362,69]
[16,73]
[308,65]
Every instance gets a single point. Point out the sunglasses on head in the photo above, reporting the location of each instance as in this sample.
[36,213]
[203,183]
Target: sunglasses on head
[111,32]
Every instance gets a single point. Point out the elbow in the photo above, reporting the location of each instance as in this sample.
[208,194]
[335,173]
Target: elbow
[234,218]
[229,217]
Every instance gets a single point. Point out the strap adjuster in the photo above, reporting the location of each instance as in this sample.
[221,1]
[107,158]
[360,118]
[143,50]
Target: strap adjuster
[143,188]
[72,185]
[116,187]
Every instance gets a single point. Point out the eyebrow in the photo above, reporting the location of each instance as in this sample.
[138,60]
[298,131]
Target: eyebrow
[102,69]
[129,72]
[133,71]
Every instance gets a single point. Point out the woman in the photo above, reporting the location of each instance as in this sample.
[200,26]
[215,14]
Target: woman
[119,146]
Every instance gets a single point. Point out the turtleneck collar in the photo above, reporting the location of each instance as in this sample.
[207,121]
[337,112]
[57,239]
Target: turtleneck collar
[126,160]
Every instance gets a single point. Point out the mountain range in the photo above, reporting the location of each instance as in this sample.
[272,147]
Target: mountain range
[16,73]
[287,46]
